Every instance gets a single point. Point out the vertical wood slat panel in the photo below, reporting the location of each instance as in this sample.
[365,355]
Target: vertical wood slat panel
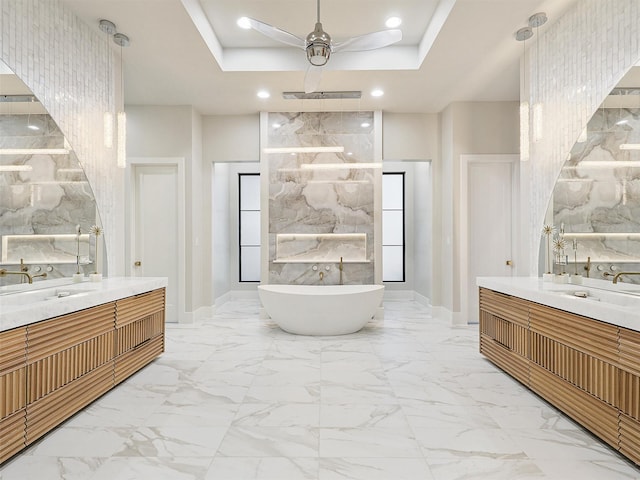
[13,359]
[47,412]
[585,372]
[594,338]
[60,369]
[589,411]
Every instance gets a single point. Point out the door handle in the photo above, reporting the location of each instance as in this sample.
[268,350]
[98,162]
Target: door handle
[137,263]
[509,263]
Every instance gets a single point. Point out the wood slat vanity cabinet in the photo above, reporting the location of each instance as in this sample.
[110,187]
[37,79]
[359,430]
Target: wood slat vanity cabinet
[587,368]
[52,369]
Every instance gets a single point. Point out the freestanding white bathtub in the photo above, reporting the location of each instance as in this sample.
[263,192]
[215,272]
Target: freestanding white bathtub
[321,309]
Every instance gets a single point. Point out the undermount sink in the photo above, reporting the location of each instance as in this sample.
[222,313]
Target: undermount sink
[29,297]
[621,298]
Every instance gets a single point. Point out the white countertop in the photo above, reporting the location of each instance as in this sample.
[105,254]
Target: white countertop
[615,304]
[52,298]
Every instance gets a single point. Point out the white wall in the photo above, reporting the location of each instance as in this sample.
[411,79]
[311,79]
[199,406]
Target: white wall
[410,136]
[161,131]
[221,234]
[227,141]
[231,138]
[467,128]
[423,229]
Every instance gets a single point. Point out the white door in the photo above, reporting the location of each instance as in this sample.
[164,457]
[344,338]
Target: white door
[155,228]
[490,218]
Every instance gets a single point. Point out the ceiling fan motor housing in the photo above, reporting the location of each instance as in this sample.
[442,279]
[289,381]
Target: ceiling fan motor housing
[318,46]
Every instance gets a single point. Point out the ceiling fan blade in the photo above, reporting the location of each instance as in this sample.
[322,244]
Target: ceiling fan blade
[277,34]
[369,41]
[312,79]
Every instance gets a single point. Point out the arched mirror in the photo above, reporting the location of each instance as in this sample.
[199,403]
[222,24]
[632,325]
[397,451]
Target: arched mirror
[596,199]
[45,197]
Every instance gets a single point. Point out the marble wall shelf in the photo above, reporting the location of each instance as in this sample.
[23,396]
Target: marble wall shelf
[48,248]
[321,247]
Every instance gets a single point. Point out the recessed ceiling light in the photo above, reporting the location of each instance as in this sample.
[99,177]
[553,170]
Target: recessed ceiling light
[276,125]
[244,22]
[377,92]
[263,94]
[349,153]
[365,124]
[393,22]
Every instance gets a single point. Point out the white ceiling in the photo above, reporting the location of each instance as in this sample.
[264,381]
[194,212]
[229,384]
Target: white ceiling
[191,52]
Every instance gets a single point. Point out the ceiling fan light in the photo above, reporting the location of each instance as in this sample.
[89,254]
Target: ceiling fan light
[318,53]
[318,46]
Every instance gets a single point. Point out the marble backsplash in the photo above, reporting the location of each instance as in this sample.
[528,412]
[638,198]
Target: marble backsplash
[321,204]
[41,205]
[597,196]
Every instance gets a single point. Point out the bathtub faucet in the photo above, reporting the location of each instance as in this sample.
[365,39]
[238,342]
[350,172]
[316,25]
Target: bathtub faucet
[321,276]
[340,267]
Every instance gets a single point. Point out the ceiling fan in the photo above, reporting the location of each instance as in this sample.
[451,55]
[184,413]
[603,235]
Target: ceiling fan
[319,46]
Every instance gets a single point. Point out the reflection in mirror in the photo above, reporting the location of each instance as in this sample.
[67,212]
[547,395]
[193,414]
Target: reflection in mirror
[597,195]
[44,193]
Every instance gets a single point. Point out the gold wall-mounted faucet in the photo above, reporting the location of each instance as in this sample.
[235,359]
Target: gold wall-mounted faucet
[340,267]
[5,272]
[321,276]
[618,275]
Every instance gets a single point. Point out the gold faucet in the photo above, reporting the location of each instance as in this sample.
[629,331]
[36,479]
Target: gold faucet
[321,276]
[43,275]
[618,275]
[5,272]
[340,267]
[587,267]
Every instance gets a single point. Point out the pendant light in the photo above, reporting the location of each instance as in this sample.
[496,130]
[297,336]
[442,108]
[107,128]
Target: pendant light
[121,40]
[523,35]
[109,28]
[535,21]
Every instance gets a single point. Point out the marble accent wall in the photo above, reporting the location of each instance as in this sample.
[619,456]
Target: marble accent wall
[582,57]
[69,66]
[41,205]
[321,204]
[597,196]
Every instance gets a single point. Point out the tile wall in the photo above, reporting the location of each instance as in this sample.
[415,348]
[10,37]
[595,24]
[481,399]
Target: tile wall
[70,67]
[571,67]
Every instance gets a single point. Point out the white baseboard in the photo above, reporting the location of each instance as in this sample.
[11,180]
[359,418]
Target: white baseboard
[421,299]
[458,319]
[398,295]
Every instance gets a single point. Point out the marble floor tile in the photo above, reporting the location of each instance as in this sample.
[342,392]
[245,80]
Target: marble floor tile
[362,416]
[278,415]
[264,468]
[234,397]
[27,467]
[368,442]
[170,441]
[156,468]
[484,468]
[250,441]
[374,469]
[478,442]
